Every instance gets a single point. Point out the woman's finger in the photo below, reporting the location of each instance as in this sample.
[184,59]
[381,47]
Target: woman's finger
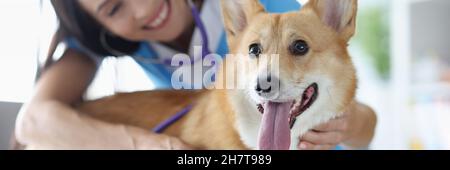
[323,138]
[303,145]
[340,124]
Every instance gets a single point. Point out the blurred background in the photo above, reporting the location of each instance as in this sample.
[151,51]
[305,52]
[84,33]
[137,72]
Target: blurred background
[401,51]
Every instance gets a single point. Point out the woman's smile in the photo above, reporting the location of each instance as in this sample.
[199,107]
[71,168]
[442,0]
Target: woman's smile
[159,19]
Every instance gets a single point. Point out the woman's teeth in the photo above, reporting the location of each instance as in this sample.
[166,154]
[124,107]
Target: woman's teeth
[162,16]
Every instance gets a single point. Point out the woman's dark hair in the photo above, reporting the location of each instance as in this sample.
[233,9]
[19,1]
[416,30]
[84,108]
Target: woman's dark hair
[75,22]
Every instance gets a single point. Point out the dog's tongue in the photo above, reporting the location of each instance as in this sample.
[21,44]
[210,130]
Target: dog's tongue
[274,133]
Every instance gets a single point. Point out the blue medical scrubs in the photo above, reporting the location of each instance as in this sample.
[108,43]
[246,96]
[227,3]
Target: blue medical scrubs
[280,6]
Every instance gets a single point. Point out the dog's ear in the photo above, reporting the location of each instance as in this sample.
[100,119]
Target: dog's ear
[238,13]
[338,14]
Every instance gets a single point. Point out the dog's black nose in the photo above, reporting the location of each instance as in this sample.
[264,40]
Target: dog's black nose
[264,85]
[260,90]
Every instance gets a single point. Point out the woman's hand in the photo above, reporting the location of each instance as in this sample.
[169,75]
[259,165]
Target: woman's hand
[353,129]
[143,140]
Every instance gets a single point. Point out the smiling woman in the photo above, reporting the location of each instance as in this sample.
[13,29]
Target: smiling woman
[151,20]
[150,32]
[90,29]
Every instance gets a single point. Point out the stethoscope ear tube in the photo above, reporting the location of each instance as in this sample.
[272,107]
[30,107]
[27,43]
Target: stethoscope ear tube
[201,27]
[191,4]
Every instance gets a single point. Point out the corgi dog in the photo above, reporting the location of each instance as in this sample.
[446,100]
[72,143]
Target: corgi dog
[316,81]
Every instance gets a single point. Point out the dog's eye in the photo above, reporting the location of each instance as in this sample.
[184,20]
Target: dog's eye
[299,48]
[255,50]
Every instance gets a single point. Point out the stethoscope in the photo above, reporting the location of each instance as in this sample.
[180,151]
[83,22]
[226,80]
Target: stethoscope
[153,59]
